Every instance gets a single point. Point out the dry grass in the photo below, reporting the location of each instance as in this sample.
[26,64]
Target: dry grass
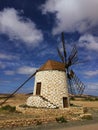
[16,100]
[89,104]
[19,99]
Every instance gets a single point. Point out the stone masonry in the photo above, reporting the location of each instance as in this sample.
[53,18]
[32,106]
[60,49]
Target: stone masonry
[53,89]
[39,102]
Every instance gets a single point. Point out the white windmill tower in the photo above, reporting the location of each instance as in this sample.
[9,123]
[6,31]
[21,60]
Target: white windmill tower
[50,89]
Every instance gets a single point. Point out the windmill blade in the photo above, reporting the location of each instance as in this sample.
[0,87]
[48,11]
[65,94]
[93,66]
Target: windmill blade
[78,84]
[73,58]
[60,55]
[63,44]
[73,55]
[73,51]
[71,89]
[18,88]
[81,62]
[71,73]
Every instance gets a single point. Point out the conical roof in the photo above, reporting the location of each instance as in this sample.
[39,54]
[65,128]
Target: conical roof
[52,65]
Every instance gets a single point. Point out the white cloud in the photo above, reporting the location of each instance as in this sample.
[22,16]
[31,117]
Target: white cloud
[91,73]
[92,88]
[2,81]
[7,56]
[47,52]
[72,15]
[9,72]
[93,85]
[26,70]
[17,28]
[88,41]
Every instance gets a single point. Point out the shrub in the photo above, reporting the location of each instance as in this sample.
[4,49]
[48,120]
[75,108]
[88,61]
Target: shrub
[87,117]
[8,108]
[85,109]
[90,99]
[96,99]
[38,123]
[73,105]
[61,119]
[26,106]
[23,105]
[72,98]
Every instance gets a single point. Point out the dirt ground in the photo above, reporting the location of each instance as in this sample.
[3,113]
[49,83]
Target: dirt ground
[19,99]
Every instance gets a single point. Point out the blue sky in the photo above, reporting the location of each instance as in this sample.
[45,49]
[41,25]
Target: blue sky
[30,32]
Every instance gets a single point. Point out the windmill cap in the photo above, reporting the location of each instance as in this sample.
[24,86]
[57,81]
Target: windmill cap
[52,65]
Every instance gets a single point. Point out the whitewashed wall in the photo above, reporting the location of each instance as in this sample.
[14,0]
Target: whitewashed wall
[53,86]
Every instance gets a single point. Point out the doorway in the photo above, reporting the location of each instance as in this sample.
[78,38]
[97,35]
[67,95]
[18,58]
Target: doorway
[38,88]
[65,102]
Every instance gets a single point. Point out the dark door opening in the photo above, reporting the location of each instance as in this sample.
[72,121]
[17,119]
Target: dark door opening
[38,88]
[65,102]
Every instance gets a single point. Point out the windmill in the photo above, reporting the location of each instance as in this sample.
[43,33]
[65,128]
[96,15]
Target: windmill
[75,85]
[53,81]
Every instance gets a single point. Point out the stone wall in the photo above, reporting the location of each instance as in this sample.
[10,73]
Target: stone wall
[53,86]
[70,113]
[39,102]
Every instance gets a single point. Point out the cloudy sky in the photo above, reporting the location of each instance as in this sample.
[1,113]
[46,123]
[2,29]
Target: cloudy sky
[30,32]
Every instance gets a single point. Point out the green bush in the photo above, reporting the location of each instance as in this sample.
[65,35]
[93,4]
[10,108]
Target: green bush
[91,99]
[23,105]
[72,98]
[8,108]
[96,99]
[26,106]
[73,105]
[61,119]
